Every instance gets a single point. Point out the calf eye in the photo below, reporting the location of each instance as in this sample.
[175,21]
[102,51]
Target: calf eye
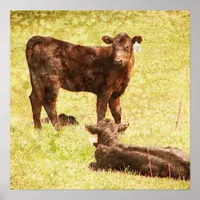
[126,48]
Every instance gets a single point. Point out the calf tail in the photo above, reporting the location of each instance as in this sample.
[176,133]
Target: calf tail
[32,42]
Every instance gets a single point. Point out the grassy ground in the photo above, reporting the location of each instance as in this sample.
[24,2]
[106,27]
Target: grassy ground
[161,80]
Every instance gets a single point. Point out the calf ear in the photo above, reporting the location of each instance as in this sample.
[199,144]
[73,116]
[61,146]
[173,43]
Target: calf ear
[107,39]
[95,144]
[137,39]
[93,129]
[122,127]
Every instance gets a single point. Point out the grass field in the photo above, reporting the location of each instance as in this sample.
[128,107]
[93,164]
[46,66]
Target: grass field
[160,82]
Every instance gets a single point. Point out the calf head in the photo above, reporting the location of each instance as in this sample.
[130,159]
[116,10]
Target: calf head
[107,131]
[64,120]
[122,47]
[67,120]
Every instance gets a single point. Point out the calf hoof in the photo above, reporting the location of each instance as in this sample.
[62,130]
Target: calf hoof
[93,166]
[38,128]
[57,127]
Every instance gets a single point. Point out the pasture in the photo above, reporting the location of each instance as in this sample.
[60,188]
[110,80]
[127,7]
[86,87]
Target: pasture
[160,83]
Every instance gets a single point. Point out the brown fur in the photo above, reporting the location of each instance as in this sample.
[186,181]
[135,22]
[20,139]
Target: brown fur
[104,71]
[149,161]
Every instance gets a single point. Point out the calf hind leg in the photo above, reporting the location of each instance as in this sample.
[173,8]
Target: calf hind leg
[36,105]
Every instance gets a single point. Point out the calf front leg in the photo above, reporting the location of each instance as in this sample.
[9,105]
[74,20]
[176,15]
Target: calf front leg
[97,166]
[115,108]
[102,102]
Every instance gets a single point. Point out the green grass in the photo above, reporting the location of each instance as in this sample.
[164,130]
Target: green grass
[161,80]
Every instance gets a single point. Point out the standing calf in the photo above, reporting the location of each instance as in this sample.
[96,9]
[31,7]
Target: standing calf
[148,161]
[104,71]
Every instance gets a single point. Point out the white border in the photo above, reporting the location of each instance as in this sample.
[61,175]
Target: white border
[191,5]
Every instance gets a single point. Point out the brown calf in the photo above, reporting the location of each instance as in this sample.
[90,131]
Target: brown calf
[63,119]
[148,161]
[104,71]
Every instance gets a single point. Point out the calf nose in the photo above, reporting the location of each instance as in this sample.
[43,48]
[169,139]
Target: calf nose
[118,62]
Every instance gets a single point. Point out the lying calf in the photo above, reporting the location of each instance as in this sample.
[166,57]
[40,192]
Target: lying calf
[63,119]
[148,161]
